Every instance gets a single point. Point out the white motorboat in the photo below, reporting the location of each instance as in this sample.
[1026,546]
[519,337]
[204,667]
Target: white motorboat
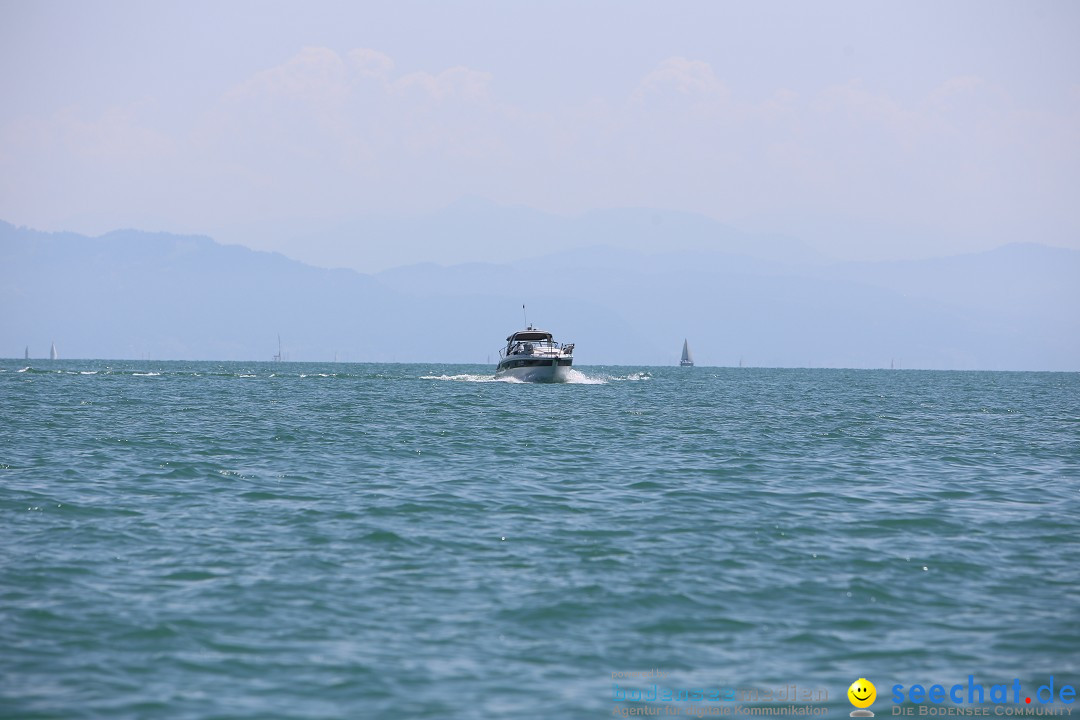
[533,355]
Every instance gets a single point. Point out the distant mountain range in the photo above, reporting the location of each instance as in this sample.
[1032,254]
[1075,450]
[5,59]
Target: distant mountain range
[474,228]
[758,301]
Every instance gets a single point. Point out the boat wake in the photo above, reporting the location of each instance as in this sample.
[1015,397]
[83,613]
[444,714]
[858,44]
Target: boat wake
[576,377]
[573,377]
[472,378]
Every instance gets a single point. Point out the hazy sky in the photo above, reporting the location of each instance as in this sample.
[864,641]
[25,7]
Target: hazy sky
[869,129]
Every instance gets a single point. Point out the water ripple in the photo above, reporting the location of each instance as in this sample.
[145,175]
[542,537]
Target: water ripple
[257,540]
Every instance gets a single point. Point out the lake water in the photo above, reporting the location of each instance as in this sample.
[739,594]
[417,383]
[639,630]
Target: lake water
[230,540]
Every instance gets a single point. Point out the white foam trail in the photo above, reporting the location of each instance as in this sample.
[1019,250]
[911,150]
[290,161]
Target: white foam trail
[576,377]
[24,369]
[88,372]
[471,378]
[573,377]
[146,374]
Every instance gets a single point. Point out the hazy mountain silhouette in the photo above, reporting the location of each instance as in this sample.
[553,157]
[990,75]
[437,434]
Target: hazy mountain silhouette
[135,294]
[477,228]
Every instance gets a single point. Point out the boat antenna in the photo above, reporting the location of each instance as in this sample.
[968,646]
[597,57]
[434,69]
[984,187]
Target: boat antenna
[525,314]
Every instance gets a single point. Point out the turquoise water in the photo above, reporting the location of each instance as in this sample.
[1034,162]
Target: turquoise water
[228,540]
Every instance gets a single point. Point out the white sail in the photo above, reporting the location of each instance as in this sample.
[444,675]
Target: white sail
[687,359]
[52,352]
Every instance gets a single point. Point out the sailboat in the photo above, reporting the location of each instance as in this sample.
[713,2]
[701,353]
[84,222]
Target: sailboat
[687,359]
[26,355]
[52,352]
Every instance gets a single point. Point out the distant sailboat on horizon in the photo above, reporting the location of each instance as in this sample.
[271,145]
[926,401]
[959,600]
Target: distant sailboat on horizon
[52,353]
[26,355]
[687,359]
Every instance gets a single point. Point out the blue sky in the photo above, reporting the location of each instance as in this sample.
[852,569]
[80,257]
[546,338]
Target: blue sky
[870,130]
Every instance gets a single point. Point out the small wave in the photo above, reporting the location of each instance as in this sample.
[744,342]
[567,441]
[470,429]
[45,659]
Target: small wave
[88,372]
[146,374]
[251,375]
[38,371]
[635,376]
[304,375]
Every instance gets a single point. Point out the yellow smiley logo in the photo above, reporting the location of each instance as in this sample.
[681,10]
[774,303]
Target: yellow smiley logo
[862,693]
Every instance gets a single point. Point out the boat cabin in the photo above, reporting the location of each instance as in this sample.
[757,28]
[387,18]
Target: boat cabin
[529,341]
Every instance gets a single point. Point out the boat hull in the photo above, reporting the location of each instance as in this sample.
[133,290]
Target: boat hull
[535,369]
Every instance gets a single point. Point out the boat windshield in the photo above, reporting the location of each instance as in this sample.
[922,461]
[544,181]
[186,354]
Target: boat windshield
[530,336]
